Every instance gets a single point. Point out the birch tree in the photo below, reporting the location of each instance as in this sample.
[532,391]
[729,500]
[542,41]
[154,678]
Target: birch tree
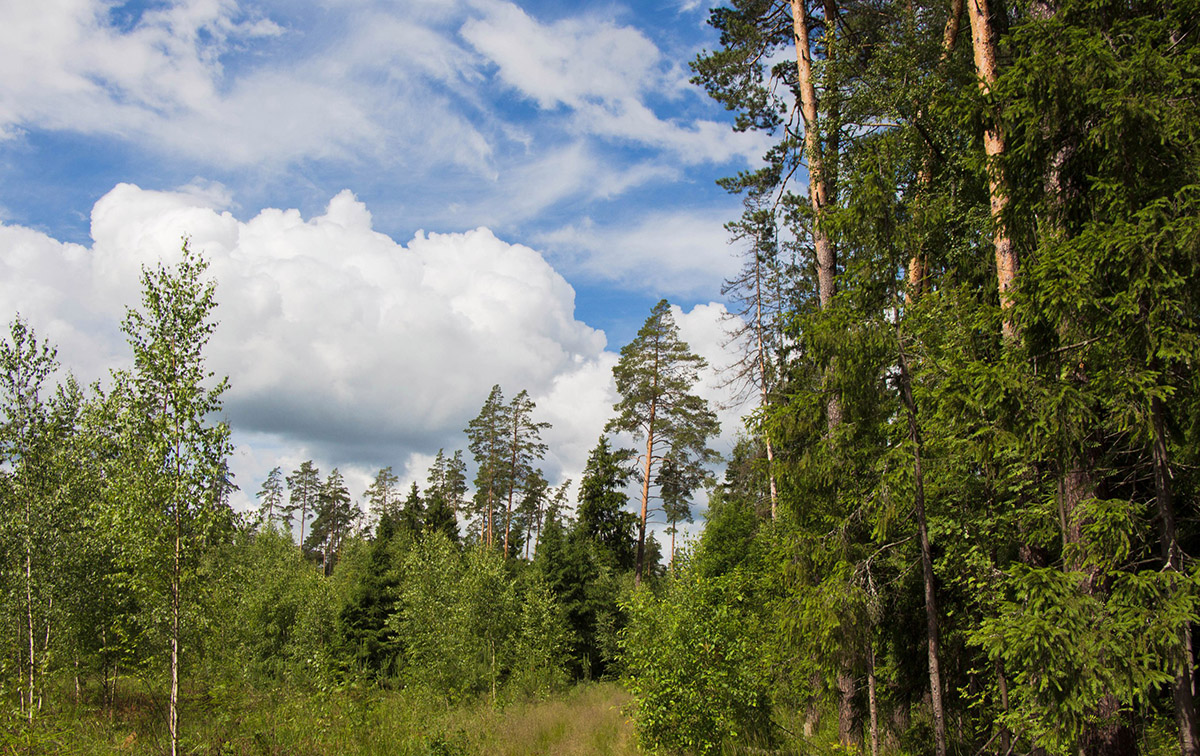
[25,365]
[179,497]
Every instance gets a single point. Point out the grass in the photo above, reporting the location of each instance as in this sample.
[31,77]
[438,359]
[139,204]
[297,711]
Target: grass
[586,719]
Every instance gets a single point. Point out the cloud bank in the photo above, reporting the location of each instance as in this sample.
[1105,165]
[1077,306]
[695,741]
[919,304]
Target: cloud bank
[341,344]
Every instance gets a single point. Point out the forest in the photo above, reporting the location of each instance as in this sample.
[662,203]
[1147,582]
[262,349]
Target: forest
[960,518]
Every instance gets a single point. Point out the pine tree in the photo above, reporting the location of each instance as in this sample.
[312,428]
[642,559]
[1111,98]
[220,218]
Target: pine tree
[304,486]
[447,480]
[381,495]
[524,447]
[335,515]
[655,377]
[270,498]
[488,435]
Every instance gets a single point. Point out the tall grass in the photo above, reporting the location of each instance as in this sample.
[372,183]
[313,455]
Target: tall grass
[586,719]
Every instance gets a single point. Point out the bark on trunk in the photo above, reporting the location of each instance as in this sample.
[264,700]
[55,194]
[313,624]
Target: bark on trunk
[917,283]
[984,43]
[762,379]
[173,714]
[846,691]
[931,613]
[1111,736]
[818,184]
[29,612]
[512,482]
[1181,688]
[641,548]
[872,702]
[1002,684]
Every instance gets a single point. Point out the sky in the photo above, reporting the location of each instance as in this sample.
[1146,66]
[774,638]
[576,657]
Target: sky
[402,202]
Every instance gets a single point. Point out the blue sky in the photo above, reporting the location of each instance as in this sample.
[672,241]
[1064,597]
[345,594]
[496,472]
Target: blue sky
[404,202]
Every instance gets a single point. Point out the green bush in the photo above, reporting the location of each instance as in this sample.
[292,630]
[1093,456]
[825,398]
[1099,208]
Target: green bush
[693,664]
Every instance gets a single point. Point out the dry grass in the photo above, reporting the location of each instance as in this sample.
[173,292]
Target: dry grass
[587,720]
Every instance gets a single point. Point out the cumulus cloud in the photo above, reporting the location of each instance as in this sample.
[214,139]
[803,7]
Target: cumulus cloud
[341,344]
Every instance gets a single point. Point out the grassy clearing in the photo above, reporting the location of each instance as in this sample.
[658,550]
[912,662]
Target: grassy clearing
[586,719]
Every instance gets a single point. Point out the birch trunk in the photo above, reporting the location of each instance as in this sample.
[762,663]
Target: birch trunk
[173,714]
[29,607]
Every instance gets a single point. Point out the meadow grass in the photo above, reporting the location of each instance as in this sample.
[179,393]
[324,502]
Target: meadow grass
[585,719]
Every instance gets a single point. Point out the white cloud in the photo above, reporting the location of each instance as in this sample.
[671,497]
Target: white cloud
[176,81]
[340,343]
[603,73]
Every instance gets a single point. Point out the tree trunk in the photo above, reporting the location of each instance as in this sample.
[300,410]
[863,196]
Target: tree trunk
[1172,556]
[818,185]
[674,526]
[512,483]
[491,508]
[303,518]
[176,572]
[984,43]
[641,547]
[1002,684]
[931,614]
[872,702]
[917,283]
[846,692]
[762,379]
[29,609]
[78,686]
[528,532]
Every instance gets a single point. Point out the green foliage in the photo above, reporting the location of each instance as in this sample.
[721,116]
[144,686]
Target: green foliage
[655,377]
[277,628]
[468,627]
[694,664]
[601,515]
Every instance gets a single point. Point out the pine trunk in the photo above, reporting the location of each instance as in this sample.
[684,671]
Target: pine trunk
[984,42]
[512,483]
[641,547]
[917,283]
[818,184]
